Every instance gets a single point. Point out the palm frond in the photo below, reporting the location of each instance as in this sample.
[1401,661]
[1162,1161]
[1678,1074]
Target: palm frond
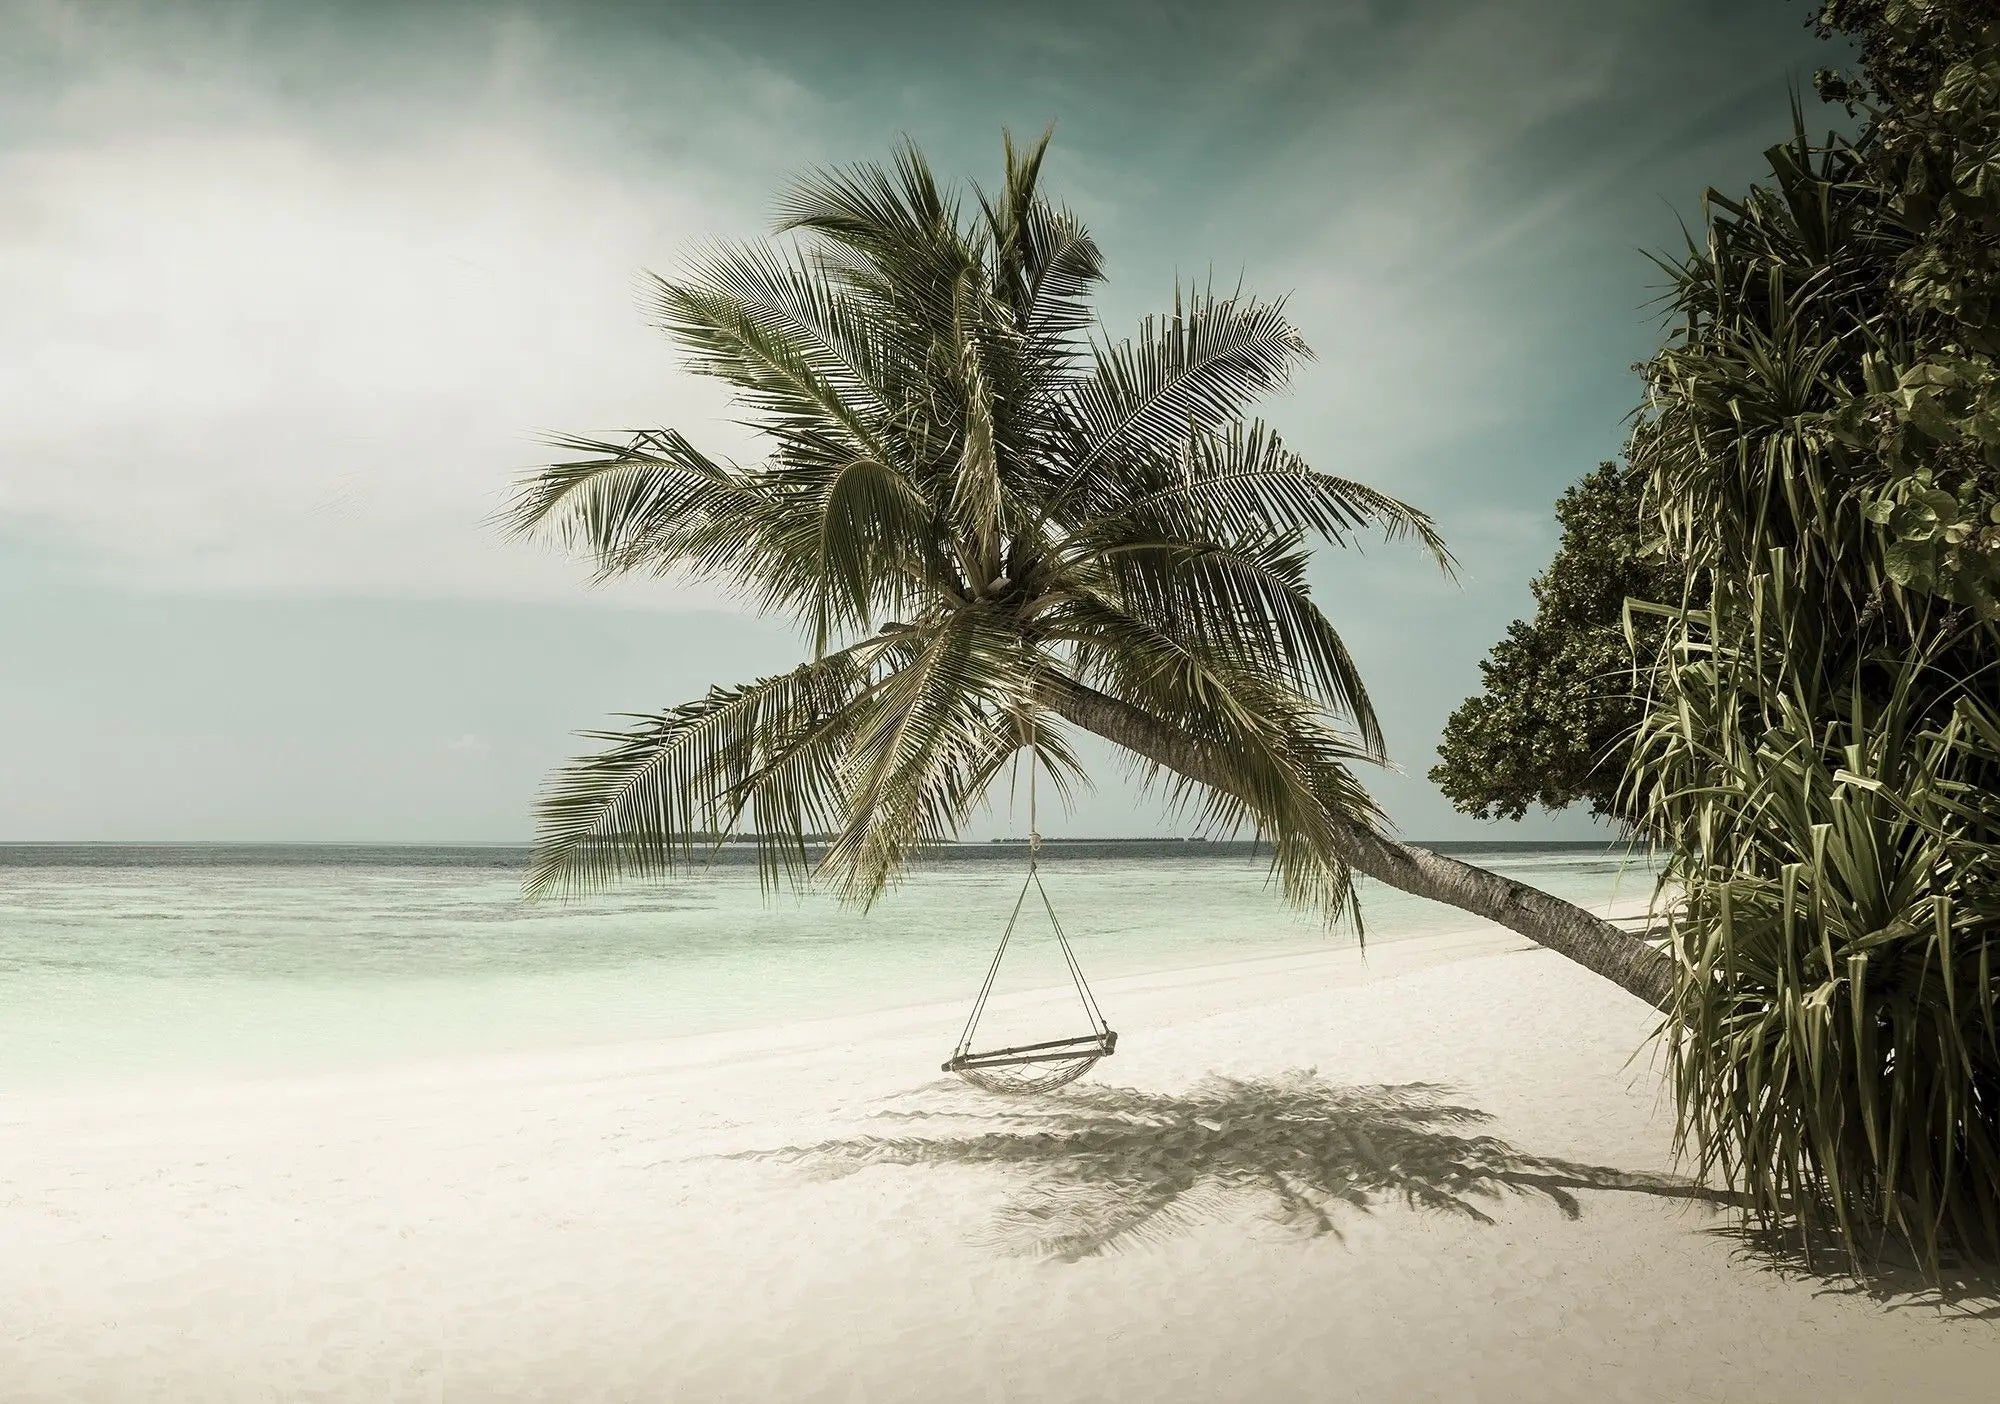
[1293,782]
[673,784]
[1250,481]
[931,737]
[1247,603]
[652,502]
[1191,373]
[790,301]
[977,496]
[1044,261]
[791,383]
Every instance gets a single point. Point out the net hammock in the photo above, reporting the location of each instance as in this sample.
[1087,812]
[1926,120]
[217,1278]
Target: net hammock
[1033,1067]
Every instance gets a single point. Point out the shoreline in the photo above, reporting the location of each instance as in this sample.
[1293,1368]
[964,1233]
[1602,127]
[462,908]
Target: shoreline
[1342,963]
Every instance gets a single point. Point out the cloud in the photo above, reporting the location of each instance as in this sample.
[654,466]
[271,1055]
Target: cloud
[468,744]
[248,348]
[266,330]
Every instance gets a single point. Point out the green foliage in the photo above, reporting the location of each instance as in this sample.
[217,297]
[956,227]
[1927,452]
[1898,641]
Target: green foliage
[1926,85]
[1559,700]
[1905,46]
[976,509]
[1833,1037]
[1936,425]
[1821,763]
[1810,587]
[1931,409]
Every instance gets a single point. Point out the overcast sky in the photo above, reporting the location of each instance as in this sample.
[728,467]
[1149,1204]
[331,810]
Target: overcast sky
[290,292]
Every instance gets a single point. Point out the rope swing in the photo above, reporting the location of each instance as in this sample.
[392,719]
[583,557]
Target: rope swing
[1033,1067]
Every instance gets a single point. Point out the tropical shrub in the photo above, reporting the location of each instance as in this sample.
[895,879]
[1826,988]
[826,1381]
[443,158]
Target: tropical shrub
[1821,448]
[1787,653]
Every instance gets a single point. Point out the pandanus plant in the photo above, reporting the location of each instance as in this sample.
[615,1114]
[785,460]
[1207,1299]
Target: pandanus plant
[1822,764]
[996,526]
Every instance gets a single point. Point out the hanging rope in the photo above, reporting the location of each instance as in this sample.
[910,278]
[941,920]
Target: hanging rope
[1062,1060]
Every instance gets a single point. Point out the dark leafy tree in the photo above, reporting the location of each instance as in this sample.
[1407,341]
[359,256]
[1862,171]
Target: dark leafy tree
[1560,699]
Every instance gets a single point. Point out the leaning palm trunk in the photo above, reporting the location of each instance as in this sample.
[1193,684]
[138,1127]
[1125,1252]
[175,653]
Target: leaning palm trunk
[993,527]
[1631,963]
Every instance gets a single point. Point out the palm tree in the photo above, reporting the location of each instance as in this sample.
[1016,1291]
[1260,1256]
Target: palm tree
[995,527]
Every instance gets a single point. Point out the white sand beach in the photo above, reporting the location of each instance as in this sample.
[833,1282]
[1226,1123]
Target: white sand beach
[573,1226]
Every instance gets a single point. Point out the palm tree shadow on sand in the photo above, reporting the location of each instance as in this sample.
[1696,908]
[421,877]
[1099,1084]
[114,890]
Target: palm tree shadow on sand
[1112,1167]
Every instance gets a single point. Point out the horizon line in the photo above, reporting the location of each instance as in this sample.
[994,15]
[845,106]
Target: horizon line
[733,842]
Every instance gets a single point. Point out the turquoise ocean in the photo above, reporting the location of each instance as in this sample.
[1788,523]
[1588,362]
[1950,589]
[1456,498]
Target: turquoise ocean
[129,962]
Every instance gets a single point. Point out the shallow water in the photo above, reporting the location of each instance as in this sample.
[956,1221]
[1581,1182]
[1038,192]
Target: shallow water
[129,961]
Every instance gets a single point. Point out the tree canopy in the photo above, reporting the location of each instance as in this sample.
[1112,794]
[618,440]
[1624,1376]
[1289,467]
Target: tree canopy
[994,524]
[1553,722]
[987,521]
[1562,693]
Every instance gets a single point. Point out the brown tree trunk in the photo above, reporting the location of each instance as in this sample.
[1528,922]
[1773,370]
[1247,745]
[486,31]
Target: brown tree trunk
[1625,959]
